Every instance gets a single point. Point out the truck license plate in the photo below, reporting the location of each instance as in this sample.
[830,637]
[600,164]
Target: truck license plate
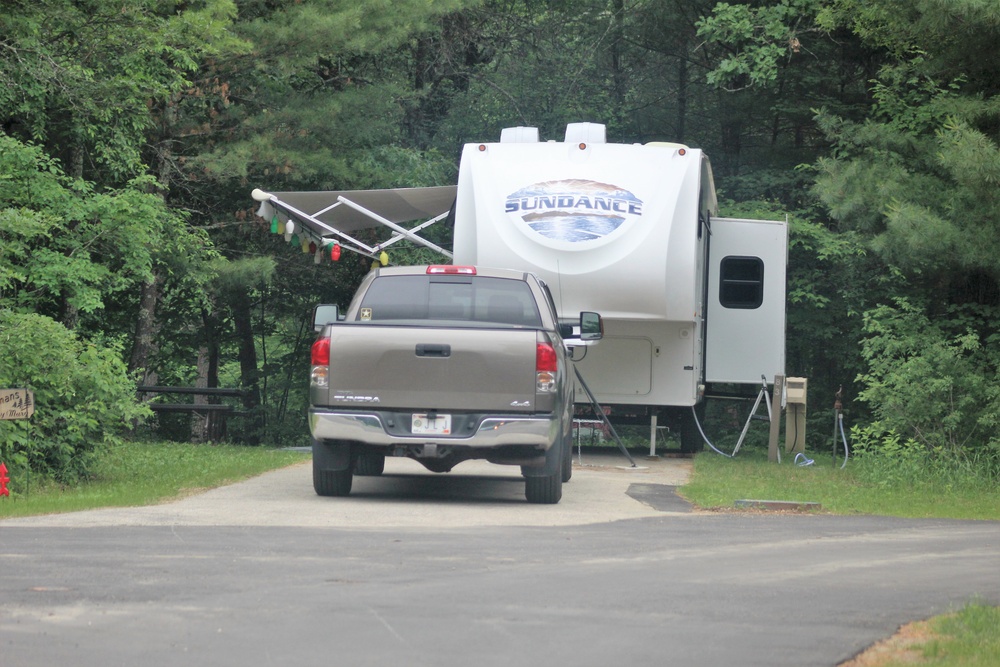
[424,425]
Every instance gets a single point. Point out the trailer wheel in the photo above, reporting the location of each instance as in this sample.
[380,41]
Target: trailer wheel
[369,464]
[332,474]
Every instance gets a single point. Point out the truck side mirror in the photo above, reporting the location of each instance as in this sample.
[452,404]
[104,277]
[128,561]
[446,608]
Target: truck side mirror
[591,326]
[323,315]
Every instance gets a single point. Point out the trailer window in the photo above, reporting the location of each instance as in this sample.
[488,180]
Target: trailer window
[741,282]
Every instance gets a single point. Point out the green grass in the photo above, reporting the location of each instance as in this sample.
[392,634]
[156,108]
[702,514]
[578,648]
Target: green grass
[969,638]
[717,482]
[136,474]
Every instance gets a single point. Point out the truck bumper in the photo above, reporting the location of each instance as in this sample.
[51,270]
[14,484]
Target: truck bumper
[489,432]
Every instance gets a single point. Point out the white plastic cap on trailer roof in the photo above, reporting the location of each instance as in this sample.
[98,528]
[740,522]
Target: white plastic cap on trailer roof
[586,133]
[519,135]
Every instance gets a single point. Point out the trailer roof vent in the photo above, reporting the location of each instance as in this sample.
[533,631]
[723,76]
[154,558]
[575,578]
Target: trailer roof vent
[519,135]
[586,133]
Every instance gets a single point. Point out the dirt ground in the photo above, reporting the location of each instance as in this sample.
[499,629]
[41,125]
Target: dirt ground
[898,649]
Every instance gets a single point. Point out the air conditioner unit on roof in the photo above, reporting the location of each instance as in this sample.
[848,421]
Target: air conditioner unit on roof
[586,133]
[519,135]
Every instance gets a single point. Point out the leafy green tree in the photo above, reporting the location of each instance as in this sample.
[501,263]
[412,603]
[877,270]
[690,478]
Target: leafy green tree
[919,177]
[66,246]
[79,76]
[90,82]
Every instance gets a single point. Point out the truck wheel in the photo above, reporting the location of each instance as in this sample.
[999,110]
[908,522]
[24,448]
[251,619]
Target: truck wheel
[369,464]
[567,463]
[544,490]
[332,474]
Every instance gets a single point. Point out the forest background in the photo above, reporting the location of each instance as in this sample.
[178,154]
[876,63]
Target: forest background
[132,131]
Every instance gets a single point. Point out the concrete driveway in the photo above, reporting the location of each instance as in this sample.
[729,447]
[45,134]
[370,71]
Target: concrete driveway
[605,487]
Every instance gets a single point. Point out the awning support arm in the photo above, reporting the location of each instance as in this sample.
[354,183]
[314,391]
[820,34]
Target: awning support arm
[393,226]
[400,237]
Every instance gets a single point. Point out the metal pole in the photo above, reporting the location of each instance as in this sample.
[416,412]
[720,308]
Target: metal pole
[604,417]
[393,226]
[652,436]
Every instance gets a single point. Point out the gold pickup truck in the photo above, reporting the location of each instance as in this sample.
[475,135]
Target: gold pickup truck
[443,364]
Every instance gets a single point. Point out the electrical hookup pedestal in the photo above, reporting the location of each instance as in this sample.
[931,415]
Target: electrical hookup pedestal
[795,415]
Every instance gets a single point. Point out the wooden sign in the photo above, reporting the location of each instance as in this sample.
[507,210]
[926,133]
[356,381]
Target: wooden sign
[16,403]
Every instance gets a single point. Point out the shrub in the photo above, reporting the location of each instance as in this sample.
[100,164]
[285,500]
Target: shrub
[933,381]
[83,396]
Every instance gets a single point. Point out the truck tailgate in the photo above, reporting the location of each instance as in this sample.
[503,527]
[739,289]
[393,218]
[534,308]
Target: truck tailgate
[389,367]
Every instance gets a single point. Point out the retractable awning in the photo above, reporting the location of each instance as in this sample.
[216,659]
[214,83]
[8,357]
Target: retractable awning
[334,214]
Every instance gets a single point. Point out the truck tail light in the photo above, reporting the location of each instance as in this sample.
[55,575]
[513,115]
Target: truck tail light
[320,354]
[546,367]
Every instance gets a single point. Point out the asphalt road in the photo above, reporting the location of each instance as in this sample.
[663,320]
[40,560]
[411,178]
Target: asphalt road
[458,570]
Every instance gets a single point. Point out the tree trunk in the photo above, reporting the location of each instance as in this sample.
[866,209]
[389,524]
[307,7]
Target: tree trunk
[146,328]
[69,314]
[202,423]
[248,366]
[144,342]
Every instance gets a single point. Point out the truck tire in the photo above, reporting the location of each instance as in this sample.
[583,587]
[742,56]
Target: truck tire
[545,490]
[567,463]
[332,474]
[369,464]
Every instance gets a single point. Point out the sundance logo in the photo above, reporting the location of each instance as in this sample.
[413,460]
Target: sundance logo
[573,210]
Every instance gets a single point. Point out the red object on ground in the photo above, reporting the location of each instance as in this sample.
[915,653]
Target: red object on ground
[4,491]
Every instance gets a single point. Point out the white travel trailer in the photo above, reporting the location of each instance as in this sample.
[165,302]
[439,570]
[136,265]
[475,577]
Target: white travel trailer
[689,299]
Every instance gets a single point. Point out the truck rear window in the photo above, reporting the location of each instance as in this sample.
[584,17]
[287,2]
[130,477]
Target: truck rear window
[450,298]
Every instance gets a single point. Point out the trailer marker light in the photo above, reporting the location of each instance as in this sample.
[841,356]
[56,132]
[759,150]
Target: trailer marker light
[582,146]
[451,270]
[482,148]
[682,151]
